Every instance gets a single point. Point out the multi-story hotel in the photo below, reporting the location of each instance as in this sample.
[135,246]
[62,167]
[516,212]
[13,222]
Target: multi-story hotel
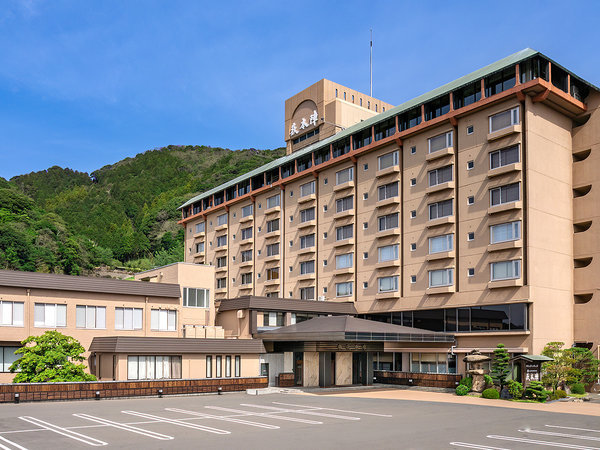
[469,210]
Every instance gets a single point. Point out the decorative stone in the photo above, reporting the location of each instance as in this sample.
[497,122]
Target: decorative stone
[476,359]
[504,394]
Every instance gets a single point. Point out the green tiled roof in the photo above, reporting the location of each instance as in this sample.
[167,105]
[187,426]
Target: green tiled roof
[406,106]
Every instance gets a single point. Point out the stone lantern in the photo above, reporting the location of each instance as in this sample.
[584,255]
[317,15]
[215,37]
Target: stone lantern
[475,360]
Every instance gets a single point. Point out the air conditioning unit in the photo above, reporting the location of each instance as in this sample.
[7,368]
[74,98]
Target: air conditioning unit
[322,298]
[241,313]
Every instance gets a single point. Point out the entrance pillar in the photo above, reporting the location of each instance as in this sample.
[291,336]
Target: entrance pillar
[311,369]
[343,368]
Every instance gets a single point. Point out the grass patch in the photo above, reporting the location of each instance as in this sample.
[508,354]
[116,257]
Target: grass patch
[577,395]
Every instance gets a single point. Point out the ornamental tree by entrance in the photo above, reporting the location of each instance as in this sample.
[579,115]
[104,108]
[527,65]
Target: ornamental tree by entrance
[51,357]
[500,369]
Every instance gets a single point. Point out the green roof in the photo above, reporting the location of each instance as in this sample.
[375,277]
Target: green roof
[532,358]
[406,106]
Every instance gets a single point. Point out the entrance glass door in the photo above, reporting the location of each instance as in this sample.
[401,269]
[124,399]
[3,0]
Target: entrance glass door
[298,368]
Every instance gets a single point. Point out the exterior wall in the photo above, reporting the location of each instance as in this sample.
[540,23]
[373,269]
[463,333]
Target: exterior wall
[234,326]
[191,239]
[212,252]
[343,368]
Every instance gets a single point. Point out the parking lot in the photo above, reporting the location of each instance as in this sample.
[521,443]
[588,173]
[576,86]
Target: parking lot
[287,421]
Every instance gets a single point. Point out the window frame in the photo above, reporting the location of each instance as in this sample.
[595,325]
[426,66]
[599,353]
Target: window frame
[515,268]
[513,112]
[448,277]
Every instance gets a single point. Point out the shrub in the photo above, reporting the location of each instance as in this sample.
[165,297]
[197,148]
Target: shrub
[515,389]
[491,393]
[461,389]
[467,381]
[578,388]
[559,393]
[489,381]
[536,391]
[500,369]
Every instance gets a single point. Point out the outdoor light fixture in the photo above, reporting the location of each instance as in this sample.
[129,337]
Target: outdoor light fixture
[160,393]
[17,397]
[97,395]
[219,390]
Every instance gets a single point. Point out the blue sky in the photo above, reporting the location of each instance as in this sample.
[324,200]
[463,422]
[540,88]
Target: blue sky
[87,83]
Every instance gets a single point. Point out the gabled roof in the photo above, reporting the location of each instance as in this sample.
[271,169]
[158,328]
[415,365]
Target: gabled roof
[172,345]
[347,328]
[35,280]
[403,107]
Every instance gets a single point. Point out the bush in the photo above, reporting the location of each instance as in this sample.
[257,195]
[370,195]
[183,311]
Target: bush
[467,381]
[461,389]
[515,389]
[536,391]
[491,393]
[489,381]
[578,388]
[559,393]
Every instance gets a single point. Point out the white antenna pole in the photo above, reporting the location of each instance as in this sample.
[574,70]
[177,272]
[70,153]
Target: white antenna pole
[371,64]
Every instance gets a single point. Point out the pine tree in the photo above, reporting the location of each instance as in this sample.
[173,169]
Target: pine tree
[500,365]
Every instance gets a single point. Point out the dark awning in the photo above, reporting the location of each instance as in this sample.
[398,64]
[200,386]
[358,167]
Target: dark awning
[257,303]
[172,345]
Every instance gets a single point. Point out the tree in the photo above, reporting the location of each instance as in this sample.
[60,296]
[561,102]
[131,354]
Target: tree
[51,357]
[554,373]
[570,365]
[500,369]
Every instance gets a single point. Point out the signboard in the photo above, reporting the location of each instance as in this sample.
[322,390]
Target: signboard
[312,120]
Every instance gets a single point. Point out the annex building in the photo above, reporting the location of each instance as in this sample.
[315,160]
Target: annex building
[389,242]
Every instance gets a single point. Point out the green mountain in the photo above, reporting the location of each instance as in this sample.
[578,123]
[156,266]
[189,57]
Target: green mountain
[61,220]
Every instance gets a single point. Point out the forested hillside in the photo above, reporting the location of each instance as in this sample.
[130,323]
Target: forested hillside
[60,220]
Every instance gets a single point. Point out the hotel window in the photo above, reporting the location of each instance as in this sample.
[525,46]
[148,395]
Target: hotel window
[388,160]
[345,232]
[272,294]
[195,297]
[129,318]
[307,267]
[247,277]
[440,142]
[273,201]
[247,210]
[441,175]
[503,232]
[221,240]
[221,283]
[505,270]
[387,284]
[153,367]
[467,95]
[307,215]
[228,366]
[442,243]
[470,165]
[273,273]
[209,366]
[163,320]
[237,371]
[246,256]
[344,261]
[49,315]
[344,204]
[437,107]
[7,357]
[442,277]
[432,363]
[344,176]
[440,209]
[273,249]
[11,314]
[504,119]
[273,319]
[343,289]
[307,189]
[91,317]
[307,293]
[470,236]
[336,93]
[222,220]
[388,222]
[272,225]
[361,139]
[387,191]
[221,261]
[199,247]
[500,81]
[219,366]
[504,157]
[504,194]
[321,156]
[246,233]
[413,246]
[307,241]
[340,148]
[200,227]
[388,253]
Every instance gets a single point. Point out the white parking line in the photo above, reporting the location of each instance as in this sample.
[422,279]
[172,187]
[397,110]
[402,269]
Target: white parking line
[120,426]
[63,431]
[299,411]
[565,435]
[332,409]
[477,446]
[573,428]
[177,422]
[536,442]
[226,419]
[272,415]
[3,439]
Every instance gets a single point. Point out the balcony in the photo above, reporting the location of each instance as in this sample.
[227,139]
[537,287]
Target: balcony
[514,167]
[307,276]
[388,201]
[387,171]
[308,223]
[505,283]
[274,282]
[199,236]
[273,210]
[505,207]
[390,295]
[440,255]
[222,290]
[344,214]
[307,198]
[508,245]
[346,271]
[344,242]
[440,221]
[221,249]
[390,232]
[272,234]
[343,186]
[304,251]
[247,263]
[272,258]
[503,132]
[246,287]
[394,264]
[448,151]
[247,242]
[221,227]
[440,290]
[221,269]
[246,219]
[440,187]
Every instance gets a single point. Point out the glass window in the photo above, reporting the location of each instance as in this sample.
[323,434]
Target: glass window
[388,160]
[247,277]
[221,283]
[504,119]
[387,284]
[307,241]
[199,247]
[200,227]
[273,201]
[247,255]
[163,319]
[221,261]
[504,157]
[344,232]
[343,289]
[500,81]
[344,261]
[272,225]
[7,357]
[307,267]
[388,221]
[504,194]
[307,215]
[437,107]
[344,204]
[11,313]
[442,243]
[467,95]
[221,240]
[273,249]
[209,372]
[441,175]
[387,191]
[246,233]
[222,220]
[442,277]
[388,253]
[228,366]
[273,319]
[440,142]
[90,316]
[48,315]
[440,209]
[195,297]
[343,176]
[128,318]
[247,210]
[307,293]
[505,270]
[238,366]
[153,367]
[219,366]
[504,232]
[385,128]
[307,189]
